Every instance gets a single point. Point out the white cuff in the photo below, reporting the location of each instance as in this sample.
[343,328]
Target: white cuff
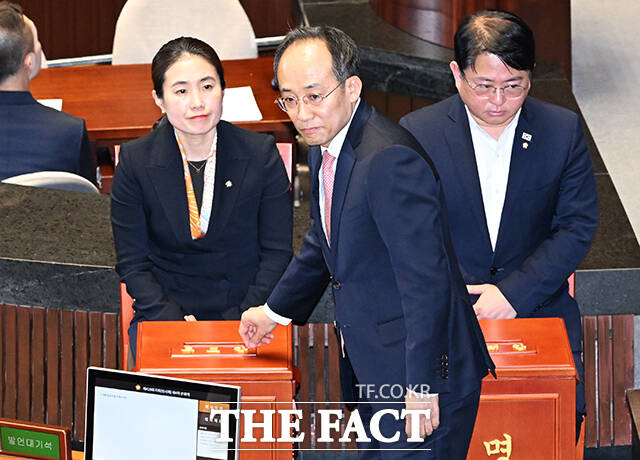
[273,316]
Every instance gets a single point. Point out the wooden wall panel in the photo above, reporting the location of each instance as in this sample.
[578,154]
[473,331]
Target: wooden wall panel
[44,354]
[304,395]
[81,345]
[550,21]
[436,21]
[623,378]
[72,28]
[66,369]
[9,408]
[333,368]
[590,377]
[53,367]
[271,18]
[37,364]
[23,352]
[605,382]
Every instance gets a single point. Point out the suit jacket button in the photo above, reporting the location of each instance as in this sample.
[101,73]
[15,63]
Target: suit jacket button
[493,270]
[336,285]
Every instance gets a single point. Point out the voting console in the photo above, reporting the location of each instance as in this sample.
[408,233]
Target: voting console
[213,351]
[528,412]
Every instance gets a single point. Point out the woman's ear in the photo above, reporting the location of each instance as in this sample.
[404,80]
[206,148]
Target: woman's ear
[158,100]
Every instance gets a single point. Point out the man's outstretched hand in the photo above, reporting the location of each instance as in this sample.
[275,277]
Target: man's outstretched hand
[255,327]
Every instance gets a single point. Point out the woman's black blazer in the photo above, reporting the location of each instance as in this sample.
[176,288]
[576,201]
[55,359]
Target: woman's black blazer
[247,246]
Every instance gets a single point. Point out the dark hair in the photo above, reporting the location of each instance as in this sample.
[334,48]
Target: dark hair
[171,51]
[16,39]
[495,32]
[344,51]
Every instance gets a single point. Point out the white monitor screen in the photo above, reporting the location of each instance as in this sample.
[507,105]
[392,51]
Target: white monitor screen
[137,416]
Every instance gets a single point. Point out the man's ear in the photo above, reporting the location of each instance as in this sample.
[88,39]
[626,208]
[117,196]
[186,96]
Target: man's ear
[158,100]
[353,86]
[456,72]
[29,62]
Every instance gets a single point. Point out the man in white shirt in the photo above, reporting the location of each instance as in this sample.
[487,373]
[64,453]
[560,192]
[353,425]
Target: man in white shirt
[517,177]
[379,237]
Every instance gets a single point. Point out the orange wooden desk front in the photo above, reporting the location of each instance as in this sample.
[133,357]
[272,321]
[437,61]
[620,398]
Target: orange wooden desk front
[217,354]
[116,101]
[528,413]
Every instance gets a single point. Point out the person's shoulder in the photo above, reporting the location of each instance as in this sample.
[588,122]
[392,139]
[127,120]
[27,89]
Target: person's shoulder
[145,142]
[57,118]
[550,114]
[431,114]
[382,131]
[145,150]
[384,136]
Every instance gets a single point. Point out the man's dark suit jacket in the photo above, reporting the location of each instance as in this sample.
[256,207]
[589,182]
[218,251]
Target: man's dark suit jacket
[401,303]
[37,138]
[550,212]
[247,246]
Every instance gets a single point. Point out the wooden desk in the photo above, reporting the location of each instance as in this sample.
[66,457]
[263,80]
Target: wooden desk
[116,100]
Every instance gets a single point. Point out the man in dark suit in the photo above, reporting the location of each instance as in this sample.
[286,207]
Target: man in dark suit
[33,137]
[517,177]
[379,235]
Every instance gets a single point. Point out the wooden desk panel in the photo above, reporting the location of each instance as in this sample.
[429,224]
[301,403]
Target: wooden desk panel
[117,105]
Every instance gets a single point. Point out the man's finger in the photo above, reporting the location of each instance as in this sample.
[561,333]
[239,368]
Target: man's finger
[475,288]
[435,413]
[246,331]
[426,428]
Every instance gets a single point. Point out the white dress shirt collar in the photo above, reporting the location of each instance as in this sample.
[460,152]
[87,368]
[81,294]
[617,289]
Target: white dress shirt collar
[493,159]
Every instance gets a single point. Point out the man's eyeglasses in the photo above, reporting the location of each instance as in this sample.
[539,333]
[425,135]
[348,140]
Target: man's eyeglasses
[512,91]
[287,103]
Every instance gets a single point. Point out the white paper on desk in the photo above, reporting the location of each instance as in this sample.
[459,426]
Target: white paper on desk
[53,103]
[239,104]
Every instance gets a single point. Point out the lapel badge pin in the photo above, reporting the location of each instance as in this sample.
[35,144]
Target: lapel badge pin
[228,184]
[527,137]
[525,145]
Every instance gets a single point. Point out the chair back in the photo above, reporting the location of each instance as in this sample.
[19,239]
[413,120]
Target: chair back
[286,154]
[145,25]
[60,180]
[572,284]
[126,315]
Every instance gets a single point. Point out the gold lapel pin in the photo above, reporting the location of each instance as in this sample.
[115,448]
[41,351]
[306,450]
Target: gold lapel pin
[228,184]
[525,145]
